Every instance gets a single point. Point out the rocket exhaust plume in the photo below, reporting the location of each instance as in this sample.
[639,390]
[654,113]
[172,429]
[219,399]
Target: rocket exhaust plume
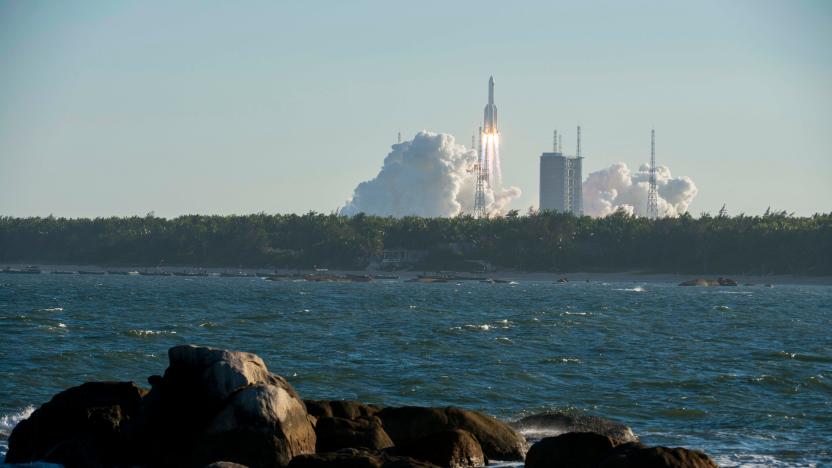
[430,175]
[617,188]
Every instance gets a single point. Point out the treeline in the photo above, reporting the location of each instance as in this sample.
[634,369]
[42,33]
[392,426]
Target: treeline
[775,243]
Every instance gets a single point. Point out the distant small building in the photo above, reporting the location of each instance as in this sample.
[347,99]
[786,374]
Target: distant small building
[394,257]
[560,183]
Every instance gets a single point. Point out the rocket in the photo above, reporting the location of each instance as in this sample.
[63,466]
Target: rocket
[490,113]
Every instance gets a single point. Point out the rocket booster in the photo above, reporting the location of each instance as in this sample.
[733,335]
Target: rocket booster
[490,114]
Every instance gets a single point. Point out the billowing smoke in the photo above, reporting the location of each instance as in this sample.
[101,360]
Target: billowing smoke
[615,187]
[428,176]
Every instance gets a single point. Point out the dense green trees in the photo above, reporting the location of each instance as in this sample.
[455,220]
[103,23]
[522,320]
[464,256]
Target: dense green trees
[773,243]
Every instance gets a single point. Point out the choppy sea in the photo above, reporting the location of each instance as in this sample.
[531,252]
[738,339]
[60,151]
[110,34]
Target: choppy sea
[743,373]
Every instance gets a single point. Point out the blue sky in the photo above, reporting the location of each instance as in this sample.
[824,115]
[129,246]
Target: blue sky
[120,108]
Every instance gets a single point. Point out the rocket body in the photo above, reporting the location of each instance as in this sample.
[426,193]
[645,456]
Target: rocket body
[490,141]
[490,114]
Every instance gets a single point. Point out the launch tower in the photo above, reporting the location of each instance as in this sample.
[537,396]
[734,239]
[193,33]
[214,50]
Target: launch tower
[652,193]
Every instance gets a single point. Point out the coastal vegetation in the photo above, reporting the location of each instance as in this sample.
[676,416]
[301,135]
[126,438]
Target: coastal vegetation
[773,243]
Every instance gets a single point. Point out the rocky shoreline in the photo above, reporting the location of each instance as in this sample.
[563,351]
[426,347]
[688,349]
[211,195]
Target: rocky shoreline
[218,408]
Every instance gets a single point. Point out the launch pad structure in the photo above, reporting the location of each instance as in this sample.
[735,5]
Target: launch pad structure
[481,169]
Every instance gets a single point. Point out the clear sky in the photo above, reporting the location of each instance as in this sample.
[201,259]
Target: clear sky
[121,108]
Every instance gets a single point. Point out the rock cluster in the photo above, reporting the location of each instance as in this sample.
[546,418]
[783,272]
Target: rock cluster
[709,282]
[223,408]
[592,450]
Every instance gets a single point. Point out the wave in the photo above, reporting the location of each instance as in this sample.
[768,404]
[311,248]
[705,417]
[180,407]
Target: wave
[683,413]
[753,460]
[561,360]
[803,357]
[9,421]
[149,333]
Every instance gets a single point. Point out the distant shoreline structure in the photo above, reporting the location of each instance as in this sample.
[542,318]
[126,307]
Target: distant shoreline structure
[409,275]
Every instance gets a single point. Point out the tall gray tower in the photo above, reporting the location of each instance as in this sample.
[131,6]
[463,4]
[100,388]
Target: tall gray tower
[652,192]
[560,180]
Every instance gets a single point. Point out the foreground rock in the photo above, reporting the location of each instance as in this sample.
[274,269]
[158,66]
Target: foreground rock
[588,450]
[574,449]
[260,425]
[453,448]
[215,404]
[340,409]
[709,282]
[354,458]
[335,433]
[225,409]
[550,424]
[210,405]
[406,425]
[83,426]
[638,456]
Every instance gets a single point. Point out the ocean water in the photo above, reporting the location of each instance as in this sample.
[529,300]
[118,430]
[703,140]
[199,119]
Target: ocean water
[744,373]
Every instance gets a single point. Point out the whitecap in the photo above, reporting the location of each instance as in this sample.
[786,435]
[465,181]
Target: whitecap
[149,333]
[503,339]
[751,460]
[61,325]
[573,313]
[9,421]
[53,309]
[483,327]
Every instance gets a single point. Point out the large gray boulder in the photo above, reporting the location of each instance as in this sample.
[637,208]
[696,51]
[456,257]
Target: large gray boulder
[261,425]
[408,424]
[214,404]
[220,371]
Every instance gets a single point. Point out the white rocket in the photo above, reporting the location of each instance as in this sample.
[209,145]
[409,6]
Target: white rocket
[490,115]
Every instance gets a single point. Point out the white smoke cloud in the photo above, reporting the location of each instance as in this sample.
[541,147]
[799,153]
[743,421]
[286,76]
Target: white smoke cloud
[615,187]
[428,176]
